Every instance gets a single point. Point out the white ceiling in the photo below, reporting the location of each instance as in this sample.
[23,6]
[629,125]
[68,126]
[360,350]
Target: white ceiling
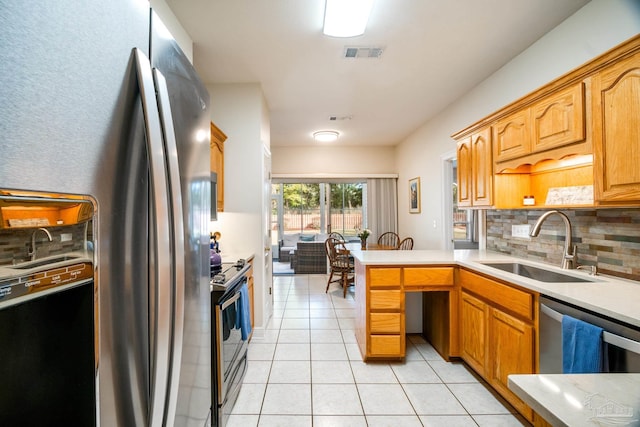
[434,52]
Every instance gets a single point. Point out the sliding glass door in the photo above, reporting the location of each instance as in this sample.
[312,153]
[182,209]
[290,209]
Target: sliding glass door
[320,208]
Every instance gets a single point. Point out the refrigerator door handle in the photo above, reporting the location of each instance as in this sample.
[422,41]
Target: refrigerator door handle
[161,323]
[177,223]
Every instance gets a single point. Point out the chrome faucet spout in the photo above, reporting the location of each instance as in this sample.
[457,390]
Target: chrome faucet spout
[569,255]
[32,251]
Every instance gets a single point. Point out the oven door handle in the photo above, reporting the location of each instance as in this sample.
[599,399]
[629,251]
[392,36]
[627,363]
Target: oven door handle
[608,337]
[230,301]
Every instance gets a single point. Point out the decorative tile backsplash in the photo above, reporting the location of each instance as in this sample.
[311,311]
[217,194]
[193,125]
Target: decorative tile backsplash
[606,238]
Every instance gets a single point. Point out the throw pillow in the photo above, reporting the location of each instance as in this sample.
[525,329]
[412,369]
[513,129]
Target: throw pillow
[307,237]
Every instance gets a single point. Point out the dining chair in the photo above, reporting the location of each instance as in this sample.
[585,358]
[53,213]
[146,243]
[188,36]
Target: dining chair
[389,239]
[337,235]
[406,244]
[340,264]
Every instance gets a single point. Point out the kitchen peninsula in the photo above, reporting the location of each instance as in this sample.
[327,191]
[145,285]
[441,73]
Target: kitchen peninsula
[484,315]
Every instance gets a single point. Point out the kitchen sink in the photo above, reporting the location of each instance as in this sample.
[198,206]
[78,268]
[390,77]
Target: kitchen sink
[44,261]
[535,273]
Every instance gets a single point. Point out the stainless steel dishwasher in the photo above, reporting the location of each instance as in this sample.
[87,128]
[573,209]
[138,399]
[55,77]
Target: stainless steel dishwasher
[622,349]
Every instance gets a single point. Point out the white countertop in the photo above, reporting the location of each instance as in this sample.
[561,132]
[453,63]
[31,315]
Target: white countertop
[581,399]
[610,296]
[233,257]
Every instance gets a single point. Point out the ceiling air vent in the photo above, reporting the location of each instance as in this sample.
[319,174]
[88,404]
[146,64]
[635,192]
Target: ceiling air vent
[362,52]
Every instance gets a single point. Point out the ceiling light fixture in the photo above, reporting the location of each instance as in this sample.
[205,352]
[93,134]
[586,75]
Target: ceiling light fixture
[346,18]
[325,136]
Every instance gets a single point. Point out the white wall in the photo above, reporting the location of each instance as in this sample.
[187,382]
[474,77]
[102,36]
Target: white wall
[240,111]
[594,29]
[174,26]
[597,27]
[333,159]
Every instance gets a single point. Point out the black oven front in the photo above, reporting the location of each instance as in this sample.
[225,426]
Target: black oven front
[229,349]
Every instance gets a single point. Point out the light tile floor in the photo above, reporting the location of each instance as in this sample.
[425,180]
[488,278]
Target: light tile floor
[307,371]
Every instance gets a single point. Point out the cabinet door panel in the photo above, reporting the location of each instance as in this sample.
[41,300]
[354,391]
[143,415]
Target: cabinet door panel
[512,136]
[511,345]
[559,119]
[616,132]
[482,167]
[473,329]
[464,172]
[217,161]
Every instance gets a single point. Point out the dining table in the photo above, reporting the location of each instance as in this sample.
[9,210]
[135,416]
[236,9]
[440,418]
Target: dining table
[356,246]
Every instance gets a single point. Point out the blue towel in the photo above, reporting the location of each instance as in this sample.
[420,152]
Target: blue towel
[581,347]
[244,318]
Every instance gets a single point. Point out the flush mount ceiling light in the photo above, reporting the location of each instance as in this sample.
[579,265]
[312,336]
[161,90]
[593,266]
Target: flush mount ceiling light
[346,18]
[325,136]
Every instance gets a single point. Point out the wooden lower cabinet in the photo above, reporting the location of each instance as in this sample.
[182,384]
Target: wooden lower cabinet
[380,317]
[380,306]
[510,351]
[497,340]
[474,315]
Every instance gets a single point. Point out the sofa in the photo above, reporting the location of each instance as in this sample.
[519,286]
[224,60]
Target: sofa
[289,242]
[309,258]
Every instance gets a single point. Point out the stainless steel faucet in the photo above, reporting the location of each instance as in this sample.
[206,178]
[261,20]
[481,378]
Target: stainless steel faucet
[569,257]
[32,251]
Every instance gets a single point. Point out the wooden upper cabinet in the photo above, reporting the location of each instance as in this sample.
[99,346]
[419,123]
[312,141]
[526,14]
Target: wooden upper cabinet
[217,161]
[559,119]
[616,132]
[481,169]
[512,136]
[464,172]
[475,179]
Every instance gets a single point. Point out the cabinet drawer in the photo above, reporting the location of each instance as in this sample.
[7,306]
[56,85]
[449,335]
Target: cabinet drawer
[385,323]
[385,300]
[384,277]
[387,345]
[428,276]
[512,299]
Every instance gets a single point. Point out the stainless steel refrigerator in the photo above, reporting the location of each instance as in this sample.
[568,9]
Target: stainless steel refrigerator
[93,95]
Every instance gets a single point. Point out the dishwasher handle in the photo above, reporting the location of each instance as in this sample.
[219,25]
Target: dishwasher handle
[608,337]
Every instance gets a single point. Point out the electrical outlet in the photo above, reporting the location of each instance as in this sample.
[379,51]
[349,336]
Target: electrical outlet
[521,231]
[66,237]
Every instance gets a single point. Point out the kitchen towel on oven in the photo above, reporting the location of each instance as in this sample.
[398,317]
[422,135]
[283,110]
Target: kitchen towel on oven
[244,318]
[581,347]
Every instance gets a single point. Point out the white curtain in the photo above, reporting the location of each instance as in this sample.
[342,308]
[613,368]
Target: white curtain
[382,206]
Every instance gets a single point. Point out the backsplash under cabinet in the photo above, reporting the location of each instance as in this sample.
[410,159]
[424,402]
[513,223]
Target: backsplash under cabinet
[606,238]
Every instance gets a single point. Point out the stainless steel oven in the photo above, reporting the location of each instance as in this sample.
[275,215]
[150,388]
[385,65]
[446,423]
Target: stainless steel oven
[622,342]
[229,345]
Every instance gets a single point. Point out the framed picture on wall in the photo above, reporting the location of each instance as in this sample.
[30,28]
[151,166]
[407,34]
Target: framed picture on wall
[414,195]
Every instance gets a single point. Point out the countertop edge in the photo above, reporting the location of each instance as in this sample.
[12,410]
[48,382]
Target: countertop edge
[595,295]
